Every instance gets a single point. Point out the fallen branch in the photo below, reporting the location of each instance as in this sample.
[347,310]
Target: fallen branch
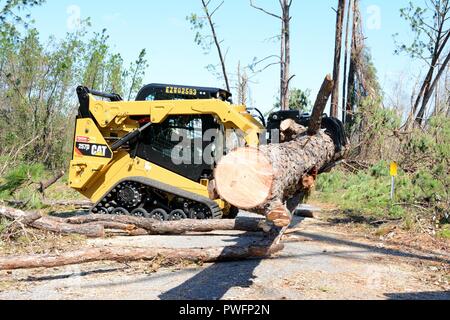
[97,226]
[47,184]
[127,254]
[54,225]
[175,227]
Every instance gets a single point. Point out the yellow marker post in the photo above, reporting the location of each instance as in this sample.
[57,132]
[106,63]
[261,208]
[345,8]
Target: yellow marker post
[394,173]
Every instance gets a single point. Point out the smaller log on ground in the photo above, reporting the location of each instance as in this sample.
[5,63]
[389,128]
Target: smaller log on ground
[54,225]
[175,227]
[94,226]
[127,254]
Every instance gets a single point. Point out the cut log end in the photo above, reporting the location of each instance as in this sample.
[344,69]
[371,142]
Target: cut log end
[246,177]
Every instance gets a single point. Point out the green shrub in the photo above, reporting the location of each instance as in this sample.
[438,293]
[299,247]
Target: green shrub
[18,177]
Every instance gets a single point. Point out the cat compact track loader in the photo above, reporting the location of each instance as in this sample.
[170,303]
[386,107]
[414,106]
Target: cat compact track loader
[126,153]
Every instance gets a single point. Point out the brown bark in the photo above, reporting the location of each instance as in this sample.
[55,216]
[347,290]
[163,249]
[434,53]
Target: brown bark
[54,225]
[320,105]
[263,180]
[175,227]
[125,254]
[290,130]
[337,58]
[95,225]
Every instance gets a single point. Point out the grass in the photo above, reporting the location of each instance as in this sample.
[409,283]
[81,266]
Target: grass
[4,224]
[444,233]
[367,194]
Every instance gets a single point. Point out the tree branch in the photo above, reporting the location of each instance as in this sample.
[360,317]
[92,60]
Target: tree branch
[265,11]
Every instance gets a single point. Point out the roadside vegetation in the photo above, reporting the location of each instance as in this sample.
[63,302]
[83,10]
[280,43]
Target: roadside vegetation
[361,186]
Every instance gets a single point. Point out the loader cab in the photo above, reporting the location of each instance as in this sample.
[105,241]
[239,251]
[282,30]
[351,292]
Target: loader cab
[177,144]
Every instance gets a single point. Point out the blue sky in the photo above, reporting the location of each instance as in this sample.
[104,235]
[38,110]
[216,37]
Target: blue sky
[161,28]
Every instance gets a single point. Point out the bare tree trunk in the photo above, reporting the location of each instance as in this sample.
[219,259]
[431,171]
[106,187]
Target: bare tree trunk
[286,54]
[337,58]
[426,90]
[209,16]
[55,225]
[353,64]
[431,87]
[346,56]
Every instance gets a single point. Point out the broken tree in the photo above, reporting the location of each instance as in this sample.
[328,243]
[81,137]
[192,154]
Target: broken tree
[96,226]
[130,254]
[264,180]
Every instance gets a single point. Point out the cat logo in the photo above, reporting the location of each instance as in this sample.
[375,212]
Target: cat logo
[93,150]
[98,151]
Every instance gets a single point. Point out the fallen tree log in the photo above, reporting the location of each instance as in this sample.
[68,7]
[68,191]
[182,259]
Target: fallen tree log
[96,226]
[126,254]
[263,180]
[54,225]
[176,227]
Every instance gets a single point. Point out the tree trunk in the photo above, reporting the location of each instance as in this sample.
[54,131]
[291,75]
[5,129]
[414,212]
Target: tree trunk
[55,225]
[94,225]
[217,43]
[170,256]
[286,56]
[263,180]
[320,105]
[346,56]
[175,227]
[337,58]
[351,89]
[431,88]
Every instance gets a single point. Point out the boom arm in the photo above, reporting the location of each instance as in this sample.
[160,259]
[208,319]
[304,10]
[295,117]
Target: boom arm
[110,114]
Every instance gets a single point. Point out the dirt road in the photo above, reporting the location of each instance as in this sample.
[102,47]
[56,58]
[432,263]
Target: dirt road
[321,261]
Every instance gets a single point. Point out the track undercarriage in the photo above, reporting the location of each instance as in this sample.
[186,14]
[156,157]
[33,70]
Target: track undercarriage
[140,200]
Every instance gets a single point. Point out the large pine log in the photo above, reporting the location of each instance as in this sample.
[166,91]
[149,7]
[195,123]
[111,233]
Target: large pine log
[124,254]
[263,180]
